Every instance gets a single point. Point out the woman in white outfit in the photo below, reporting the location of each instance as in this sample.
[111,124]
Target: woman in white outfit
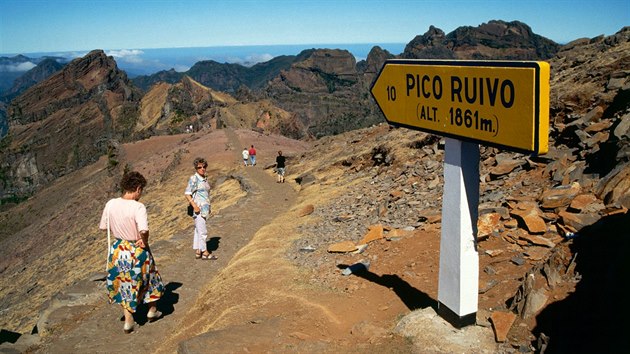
[198,195]
[245,154]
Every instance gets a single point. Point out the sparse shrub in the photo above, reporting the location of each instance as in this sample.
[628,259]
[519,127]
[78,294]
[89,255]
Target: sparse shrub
[128,119]
[6,142]
[177,118]
[112,157]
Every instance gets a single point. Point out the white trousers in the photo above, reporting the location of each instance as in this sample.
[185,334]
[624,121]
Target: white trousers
[201,233]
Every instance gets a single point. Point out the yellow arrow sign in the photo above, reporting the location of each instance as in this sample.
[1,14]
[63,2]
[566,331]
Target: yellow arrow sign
[500,103]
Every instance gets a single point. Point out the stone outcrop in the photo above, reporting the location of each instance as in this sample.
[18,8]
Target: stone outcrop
[327,92]
[489,41]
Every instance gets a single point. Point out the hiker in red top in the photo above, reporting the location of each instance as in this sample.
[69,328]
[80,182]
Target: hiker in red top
[252,155]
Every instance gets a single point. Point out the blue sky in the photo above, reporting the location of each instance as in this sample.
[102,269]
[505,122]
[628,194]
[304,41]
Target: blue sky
[28,26]
[131,30]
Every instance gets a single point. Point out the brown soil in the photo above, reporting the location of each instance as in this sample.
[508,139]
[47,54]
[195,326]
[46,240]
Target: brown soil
[267,292]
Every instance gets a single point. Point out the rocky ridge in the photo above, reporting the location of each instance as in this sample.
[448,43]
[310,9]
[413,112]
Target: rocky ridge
[489,41]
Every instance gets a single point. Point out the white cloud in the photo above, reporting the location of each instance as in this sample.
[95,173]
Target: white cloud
[127,55]
[234,60]
[259,58]
[249,60]
[18,67]
[71,55]
[181,68]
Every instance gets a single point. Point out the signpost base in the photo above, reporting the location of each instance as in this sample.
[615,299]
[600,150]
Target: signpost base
[454,319]
[458,285]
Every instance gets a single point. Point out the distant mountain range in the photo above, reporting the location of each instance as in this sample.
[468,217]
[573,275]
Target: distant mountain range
[19,65]
[64,116]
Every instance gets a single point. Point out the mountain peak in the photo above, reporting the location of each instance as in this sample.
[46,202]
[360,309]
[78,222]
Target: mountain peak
[69,117]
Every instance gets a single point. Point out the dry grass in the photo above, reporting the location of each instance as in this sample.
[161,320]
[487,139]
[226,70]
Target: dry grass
[53,238]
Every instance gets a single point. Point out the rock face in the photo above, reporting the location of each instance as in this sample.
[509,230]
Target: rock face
[65,122]
[327,92]
[490,41]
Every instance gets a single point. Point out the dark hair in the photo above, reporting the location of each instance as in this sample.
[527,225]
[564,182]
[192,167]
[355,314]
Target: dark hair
[199,160]
[131,181]
[280,152]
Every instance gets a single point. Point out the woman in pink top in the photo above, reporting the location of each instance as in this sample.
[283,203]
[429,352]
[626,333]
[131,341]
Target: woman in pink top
[132,277]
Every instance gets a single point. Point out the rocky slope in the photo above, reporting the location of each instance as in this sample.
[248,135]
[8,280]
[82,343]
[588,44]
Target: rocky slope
[190,106]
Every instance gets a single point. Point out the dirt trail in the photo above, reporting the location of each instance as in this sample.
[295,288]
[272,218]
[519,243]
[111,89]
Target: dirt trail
[101,330]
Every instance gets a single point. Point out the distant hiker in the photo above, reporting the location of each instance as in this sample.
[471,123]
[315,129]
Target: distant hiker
[245,156]
[280,167]
[252,155]
[198,195]
[132,276]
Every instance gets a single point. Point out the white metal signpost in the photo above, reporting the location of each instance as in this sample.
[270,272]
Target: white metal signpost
[498,103]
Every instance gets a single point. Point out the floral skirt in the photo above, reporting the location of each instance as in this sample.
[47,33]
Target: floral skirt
[132,277]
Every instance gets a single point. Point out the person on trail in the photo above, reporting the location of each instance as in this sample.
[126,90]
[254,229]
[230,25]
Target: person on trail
[280,167]
[252,155]
[132,276]
[245,156]
[198,195]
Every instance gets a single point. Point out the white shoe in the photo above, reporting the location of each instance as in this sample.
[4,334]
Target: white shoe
[128,328]
[152,316]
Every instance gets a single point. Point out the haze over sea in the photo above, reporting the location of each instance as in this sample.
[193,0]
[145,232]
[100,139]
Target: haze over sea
[148,61]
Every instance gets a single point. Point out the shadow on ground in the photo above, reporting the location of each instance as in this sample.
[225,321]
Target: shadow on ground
[412,298]
[166,304]
[594,319]
[213,243]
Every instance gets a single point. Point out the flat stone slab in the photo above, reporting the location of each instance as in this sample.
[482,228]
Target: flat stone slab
[501,323]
